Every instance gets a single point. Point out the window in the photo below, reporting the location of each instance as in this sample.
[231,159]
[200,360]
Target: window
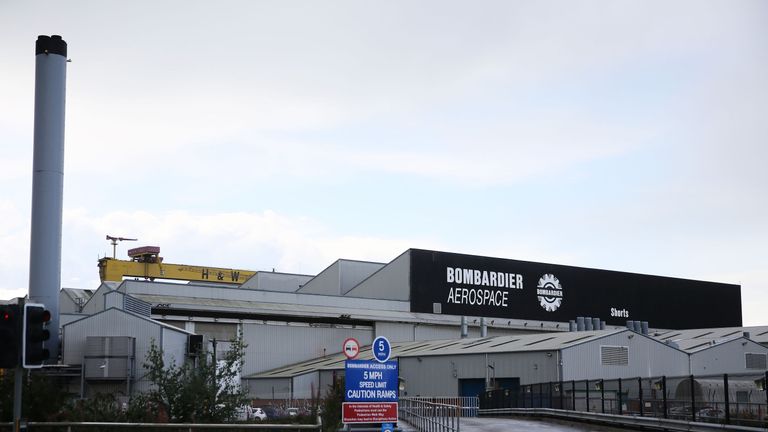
[756,361]
[614,355]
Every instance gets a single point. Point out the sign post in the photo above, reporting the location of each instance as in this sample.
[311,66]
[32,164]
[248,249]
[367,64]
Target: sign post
[371,387]
[351,348]
[381,349]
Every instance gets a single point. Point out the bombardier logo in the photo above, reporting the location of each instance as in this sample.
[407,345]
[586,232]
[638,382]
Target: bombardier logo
[549,292]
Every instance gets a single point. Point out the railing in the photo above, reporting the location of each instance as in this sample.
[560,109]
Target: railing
[726,399]
[165,427]
[428,416]
[468,405]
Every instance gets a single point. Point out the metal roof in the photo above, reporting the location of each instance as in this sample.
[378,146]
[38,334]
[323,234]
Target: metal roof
[495,344]
[114,310]
[288,310]
[75,293]
[696,339]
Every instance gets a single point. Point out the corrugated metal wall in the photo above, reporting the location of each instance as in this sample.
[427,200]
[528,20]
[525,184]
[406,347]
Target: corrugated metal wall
[274,388]
[109,323]
[218,331]
[727,357]
[392,282]
[354,272]
[272,346]
[440,375]
[395,332]
[115,322]
[326,282]
[273,281]
[442,332]
[304,385]
[647,357]
[96,302]
[326,380]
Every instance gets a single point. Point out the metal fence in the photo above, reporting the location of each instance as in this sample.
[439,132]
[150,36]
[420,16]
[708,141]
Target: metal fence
[727,399]
[429,416]
[164,427]
[467,405]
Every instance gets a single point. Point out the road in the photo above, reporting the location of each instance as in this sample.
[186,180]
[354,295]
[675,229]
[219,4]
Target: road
[485,424]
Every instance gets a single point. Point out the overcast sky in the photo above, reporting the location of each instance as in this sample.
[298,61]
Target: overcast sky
[622,135]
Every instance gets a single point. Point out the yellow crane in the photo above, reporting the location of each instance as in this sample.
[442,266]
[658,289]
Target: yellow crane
[147,263]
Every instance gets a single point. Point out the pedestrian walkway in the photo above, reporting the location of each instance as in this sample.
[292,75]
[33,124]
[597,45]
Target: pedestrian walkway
[486,424]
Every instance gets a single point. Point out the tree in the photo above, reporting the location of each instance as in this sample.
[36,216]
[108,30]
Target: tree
[44,397]
[332,406]
[206,392]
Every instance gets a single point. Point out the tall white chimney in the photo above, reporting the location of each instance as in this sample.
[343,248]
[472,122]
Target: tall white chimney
[48,180]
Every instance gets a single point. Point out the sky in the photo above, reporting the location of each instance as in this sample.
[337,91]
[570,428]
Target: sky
[260,135]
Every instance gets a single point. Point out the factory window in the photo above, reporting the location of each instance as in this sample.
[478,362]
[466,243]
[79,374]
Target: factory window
[756,361]
[614,355]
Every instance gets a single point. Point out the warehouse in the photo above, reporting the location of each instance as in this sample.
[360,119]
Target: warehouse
[418,296]
[465,367]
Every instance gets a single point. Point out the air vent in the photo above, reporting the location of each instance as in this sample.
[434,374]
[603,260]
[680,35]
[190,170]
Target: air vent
[756,361]
[135,305]
[614,355]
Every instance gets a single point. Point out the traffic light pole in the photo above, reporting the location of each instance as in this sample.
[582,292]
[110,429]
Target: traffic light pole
[17,382]
[18,377]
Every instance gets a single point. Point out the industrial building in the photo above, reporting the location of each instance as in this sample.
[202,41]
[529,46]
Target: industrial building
[452,317]
[464,367]
[418,297]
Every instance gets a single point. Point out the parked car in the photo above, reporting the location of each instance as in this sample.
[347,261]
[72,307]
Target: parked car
[293,412]
[681,412]
[710,414]
[259,414]
[272,412]
[244,412]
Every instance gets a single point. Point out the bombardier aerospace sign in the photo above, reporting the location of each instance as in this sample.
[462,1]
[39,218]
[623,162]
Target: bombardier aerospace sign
[493,285]
[478,286]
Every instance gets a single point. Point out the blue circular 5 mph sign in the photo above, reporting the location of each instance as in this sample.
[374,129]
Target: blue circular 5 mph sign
[381,349]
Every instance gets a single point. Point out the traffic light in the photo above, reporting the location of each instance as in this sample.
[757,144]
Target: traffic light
[35,319]
[10,324]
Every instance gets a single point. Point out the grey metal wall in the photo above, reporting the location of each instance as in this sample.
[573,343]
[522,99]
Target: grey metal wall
[273,388]
[727,357]
[395,332]
[647,357]
[214,293]
[440,375]
[273,281]
[326,282]
[354,272]
[96,302]
[174,346]
[304,385]
[67,305]
[115,322]
[432,332]
[271,346]
[219,331]
[392,282]
[326,380]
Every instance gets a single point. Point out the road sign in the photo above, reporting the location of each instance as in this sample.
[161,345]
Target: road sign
[387,427]
[369,412]
[370,381]
[351,348]
[381,349]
